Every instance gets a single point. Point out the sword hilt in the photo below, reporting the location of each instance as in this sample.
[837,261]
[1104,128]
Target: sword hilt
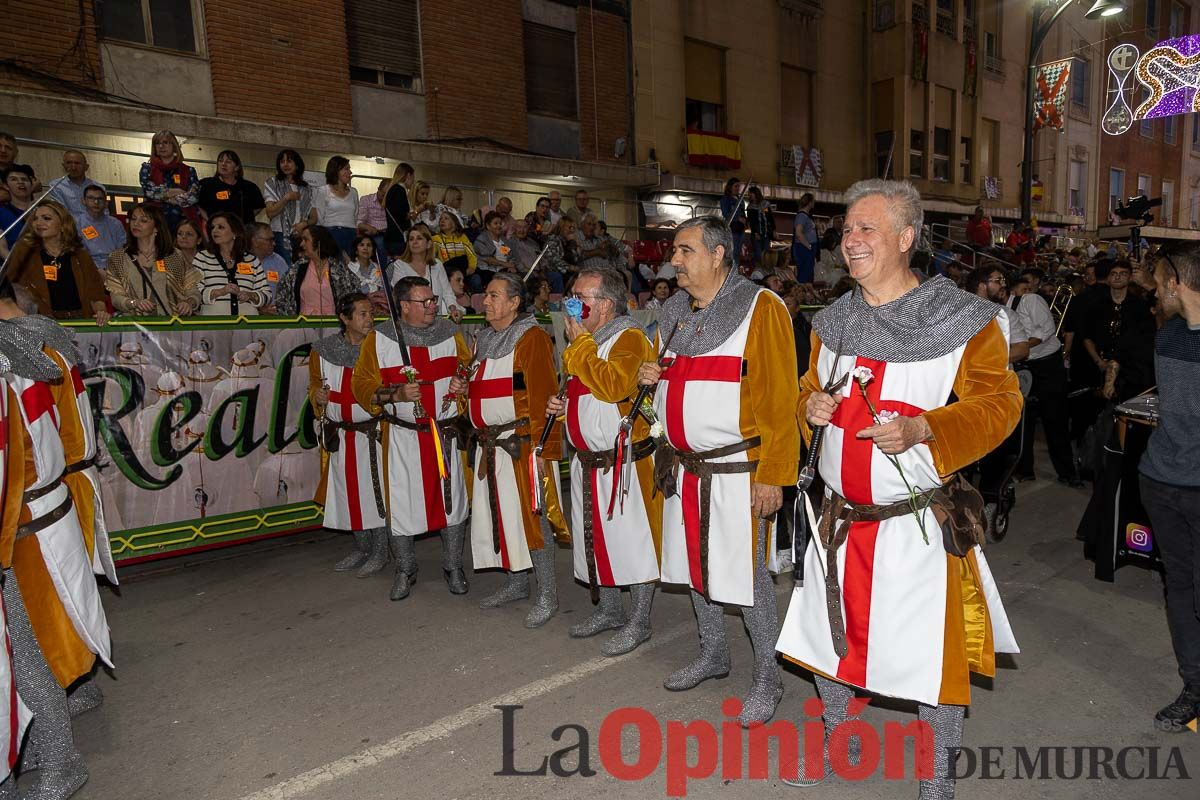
[808,473]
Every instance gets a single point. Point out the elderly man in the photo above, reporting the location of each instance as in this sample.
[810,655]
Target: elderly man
[424,469]
[885,605]
[595,250]
[577,211]
[71,191]
[617,536]
[726,385]
[556,209]
[101,233]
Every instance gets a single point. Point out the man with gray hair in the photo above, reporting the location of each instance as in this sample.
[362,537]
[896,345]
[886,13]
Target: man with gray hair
[887,595]
[726,412]
[617,521]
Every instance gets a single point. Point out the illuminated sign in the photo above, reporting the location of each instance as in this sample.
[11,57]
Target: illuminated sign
[1119,116]
[1169,73]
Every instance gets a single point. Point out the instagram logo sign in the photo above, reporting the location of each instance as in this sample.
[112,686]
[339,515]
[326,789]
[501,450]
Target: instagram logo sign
[1138,538]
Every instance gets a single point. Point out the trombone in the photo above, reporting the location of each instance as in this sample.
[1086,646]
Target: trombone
[1059,305]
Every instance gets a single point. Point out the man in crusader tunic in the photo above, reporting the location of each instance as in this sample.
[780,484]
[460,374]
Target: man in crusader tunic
[351,488]
[887,606]
[417,391]
[725,397]
[616,517]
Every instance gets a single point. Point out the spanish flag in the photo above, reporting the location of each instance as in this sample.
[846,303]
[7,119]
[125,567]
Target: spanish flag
[707,149]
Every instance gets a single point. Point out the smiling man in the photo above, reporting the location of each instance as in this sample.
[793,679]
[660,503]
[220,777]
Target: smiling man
[884,602]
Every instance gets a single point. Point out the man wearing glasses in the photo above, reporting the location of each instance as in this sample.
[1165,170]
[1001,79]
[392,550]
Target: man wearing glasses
[617,536]
[101,233]
[423,495]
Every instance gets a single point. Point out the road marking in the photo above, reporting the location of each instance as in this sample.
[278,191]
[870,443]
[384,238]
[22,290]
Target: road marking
[343,767]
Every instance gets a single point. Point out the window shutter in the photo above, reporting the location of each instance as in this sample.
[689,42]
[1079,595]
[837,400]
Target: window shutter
[550,71]
[384,35]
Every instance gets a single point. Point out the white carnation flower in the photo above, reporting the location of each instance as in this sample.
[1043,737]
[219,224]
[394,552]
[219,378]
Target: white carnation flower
[657,431]
[888,416]
[863,375]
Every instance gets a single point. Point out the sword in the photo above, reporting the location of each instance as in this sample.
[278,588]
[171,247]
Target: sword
[809,472]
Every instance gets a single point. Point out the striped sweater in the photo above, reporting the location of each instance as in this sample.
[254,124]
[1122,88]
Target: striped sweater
[246,272]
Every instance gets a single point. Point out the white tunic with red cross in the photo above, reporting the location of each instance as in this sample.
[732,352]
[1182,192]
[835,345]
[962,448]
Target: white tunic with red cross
[893,584]
[349,492]
[417,497]
[14,716]
[699,402]
[61,543]
[623,546]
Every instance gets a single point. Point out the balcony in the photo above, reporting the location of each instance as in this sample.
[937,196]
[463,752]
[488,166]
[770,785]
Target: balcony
[994,64]
[946,26]
[920,16]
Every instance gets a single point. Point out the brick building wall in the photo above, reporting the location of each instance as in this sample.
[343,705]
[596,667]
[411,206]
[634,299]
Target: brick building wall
[604,104]
[474,70]
[301,43]
[61,42]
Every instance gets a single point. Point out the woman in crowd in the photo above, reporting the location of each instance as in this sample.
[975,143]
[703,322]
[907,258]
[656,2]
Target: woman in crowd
[660,290]
[150,277]
[289,201]
[493,251]
[318,280]
[419,259]
[540,226]
[804,240]
[451,244]
[423,211]
[52,264]
[560,255]
[396,208]
[372,216]
[505,532]
[733,209]
[452,199]
[538,291]
[228,190]
[336,204]
[169,183]
[367,272]
[760,219]
[189,240]
[233,280]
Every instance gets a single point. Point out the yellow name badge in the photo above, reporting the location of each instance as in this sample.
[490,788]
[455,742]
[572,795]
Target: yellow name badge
[245,268]
[175,178]
[160,265]
[50,271]
[223,194]
[90,232]
[504,249]
[273,276]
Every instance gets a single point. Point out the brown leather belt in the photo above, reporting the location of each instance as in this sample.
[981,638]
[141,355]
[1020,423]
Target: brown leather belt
[79,466]
[368,428]
[46,520]
[37,494]
[488,437]
[450,428]
[593,460]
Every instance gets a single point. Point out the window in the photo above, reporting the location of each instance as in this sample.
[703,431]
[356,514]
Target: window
[1152,18]
[920,12]
[1168,206]
[946,23]
[1195,210]
[1077,188]
[550,71]
[1169,128]
[1143,186]
[916,154]
[989,157]
[885,14]
[964,166]
[1145,126]
[704,87]
[1081,85]
[384,55]
[1175,26]
[1195,133]
[992,62]
[169,24]
[795,105]
[883,154]
[1116,187]
[970,20]
[941,154]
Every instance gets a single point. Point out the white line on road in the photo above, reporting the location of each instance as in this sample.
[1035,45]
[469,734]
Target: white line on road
[343,767]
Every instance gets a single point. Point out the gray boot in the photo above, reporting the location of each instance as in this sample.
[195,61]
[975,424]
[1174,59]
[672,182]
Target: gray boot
[452,557]
[609,615]
[637,630]
[362,549]
[762,623]
[714,650]
[378,557]
[84,697]
[50,742]
[947,724]
[543,567]
[405,551]
[835,702]
[515,588]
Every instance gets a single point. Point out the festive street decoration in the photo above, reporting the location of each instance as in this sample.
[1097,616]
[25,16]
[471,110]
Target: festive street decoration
[809,165]
[1053,80]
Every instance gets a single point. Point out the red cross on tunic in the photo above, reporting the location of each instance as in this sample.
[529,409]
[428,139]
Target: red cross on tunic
[37,400]
[344,400]
[852,416]
[428,370]
[486,389]
[575,390]
[77,381]
[684,369]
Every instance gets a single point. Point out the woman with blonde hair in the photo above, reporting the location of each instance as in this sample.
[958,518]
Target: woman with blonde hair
[169,183]
[423,212]
[150,277]
[419,259]
[51,263]
[396,207]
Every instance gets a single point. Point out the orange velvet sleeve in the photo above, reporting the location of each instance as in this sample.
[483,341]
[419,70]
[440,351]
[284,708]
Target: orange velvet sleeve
[770,392]
[14,476]
[367,378]
[70,425]
[315,380]
[613,379]
[988,406]
[810,382]
[534,358]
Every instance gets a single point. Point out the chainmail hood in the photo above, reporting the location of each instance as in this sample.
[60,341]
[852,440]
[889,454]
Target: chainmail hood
[51,334]
[336,349]
[928,322]
[693,333]
[614,327]
[490,343]
[438,332]
[21,354]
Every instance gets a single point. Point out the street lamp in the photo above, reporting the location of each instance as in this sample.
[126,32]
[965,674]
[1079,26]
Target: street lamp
[1037,36]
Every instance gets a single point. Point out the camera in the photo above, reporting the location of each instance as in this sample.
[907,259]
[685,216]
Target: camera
[1138,208]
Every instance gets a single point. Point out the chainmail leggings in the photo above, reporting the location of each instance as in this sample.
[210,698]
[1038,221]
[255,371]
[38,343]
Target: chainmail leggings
[761,619]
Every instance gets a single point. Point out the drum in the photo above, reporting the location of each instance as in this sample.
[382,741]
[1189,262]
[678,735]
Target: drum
[1142,409]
